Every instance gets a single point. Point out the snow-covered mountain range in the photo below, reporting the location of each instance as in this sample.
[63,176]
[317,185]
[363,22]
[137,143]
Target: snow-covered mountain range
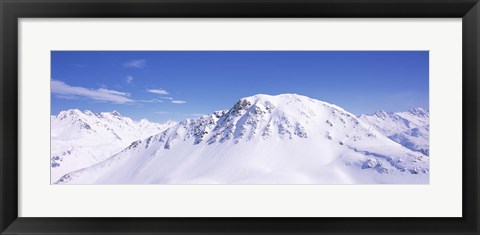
[262,139]
[81,139]
[410,129]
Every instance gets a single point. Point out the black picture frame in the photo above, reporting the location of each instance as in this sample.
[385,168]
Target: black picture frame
[12,10]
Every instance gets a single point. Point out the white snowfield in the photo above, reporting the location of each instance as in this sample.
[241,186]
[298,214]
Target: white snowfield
[262,139]
[411,129]
[81,139]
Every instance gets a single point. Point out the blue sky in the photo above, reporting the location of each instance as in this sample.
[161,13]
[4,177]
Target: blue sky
[174,85]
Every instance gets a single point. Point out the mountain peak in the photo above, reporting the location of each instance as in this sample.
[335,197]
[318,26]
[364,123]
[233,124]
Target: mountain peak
[286,116]
[74,111]
[272,101]
[421,112]
[382,114]
[275,98]
[116,113]
[69,112]
[261,104]
[89,113]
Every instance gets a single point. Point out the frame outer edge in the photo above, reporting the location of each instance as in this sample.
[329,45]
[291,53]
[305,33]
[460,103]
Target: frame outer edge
[477,6]
[9,116]
[471,134]
[476,66]
[2,182]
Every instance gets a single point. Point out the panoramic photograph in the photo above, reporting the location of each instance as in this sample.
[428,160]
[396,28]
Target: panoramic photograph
[239,117]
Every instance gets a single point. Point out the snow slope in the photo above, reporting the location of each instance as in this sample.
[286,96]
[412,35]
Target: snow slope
[81,139]
[410,129]
[262,139]
[416,139]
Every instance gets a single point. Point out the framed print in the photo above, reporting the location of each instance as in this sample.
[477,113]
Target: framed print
[239,117]
[255,137]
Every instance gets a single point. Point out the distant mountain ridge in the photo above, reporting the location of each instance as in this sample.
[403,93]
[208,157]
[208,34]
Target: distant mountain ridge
[80,139]
[262,139]
[410,128]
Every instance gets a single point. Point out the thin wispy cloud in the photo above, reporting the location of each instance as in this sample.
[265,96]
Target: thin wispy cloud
[129,79]
[113,92]
[179,101]
[63,90]
[150,101]
[166,98]
[158,91]
[66,97]
[138,64]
